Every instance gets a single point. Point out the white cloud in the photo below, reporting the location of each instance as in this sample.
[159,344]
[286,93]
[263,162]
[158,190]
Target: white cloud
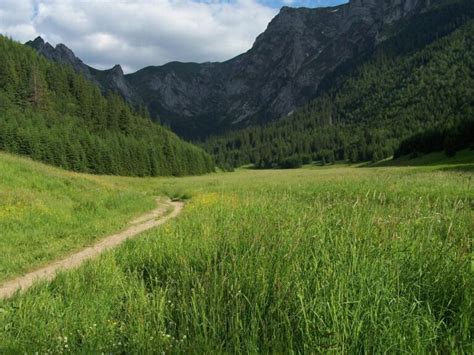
[139,33]
[15,18]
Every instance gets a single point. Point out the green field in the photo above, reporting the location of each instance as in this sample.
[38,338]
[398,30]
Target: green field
[46,212]
[334,259]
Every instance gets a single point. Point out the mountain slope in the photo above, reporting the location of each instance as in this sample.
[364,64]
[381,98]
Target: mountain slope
[57,116]
[112,80]
[412,82]
[280,73]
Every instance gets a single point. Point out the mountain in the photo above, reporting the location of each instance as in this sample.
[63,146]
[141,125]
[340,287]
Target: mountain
[419,80]
[281,72]
[53,114]
[112,80]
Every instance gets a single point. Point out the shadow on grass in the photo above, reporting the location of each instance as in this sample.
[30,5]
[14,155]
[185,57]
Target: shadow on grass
[468,168]
[314,164]
[462,161]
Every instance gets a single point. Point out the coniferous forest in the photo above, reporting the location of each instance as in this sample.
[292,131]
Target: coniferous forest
[56,116]
[421,80]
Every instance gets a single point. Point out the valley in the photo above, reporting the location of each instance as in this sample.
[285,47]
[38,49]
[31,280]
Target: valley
[312,194]
[314,258]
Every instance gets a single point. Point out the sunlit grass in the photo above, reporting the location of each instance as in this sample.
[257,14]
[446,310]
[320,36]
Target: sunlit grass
[333,260]
[46,212]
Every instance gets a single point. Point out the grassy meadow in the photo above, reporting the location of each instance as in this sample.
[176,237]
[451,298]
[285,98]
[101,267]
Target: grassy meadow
[46,212]
[334,259]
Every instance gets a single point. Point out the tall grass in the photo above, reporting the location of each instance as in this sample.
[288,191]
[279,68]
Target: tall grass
[333,260]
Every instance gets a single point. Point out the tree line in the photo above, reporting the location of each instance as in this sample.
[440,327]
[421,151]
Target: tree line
[54,115]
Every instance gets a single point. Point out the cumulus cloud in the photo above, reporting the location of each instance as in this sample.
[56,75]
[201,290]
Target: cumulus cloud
[137,33]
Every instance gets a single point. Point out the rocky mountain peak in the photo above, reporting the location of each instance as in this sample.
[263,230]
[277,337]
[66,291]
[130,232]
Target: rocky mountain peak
[107,80]
[42,47]
[117,70]
[281,71]
[38,41]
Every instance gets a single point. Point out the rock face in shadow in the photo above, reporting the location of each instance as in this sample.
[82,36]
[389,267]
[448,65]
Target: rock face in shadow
[281,71]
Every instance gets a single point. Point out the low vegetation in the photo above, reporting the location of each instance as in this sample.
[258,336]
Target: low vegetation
[333,259]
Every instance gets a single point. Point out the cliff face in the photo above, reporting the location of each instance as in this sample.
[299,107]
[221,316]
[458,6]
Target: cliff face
[280,72]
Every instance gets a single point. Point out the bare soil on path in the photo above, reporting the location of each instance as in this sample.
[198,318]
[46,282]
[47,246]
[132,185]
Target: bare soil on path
[48,272]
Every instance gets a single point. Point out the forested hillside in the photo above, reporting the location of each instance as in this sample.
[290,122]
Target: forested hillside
[52,114]
[419,79]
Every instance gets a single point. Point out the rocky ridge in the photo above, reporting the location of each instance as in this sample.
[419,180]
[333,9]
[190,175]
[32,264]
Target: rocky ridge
[281,71]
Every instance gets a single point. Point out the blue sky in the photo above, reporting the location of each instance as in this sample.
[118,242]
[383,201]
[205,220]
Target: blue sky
[138,33]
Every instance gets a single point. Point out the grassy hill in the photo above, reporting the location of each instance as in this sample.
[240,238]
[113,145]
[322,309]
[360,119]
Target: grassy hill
[337,259]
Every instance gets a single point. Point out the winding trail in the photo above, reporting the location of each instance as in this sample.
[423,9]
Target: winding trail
[150,220]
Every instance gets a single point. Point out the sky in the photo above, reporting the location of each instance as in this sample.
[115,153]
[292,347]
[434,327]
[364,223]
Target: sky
[139,33]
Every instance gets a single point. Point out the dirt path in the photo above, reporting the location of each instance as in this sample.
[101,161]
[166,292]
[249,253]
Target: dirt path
[48,272]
